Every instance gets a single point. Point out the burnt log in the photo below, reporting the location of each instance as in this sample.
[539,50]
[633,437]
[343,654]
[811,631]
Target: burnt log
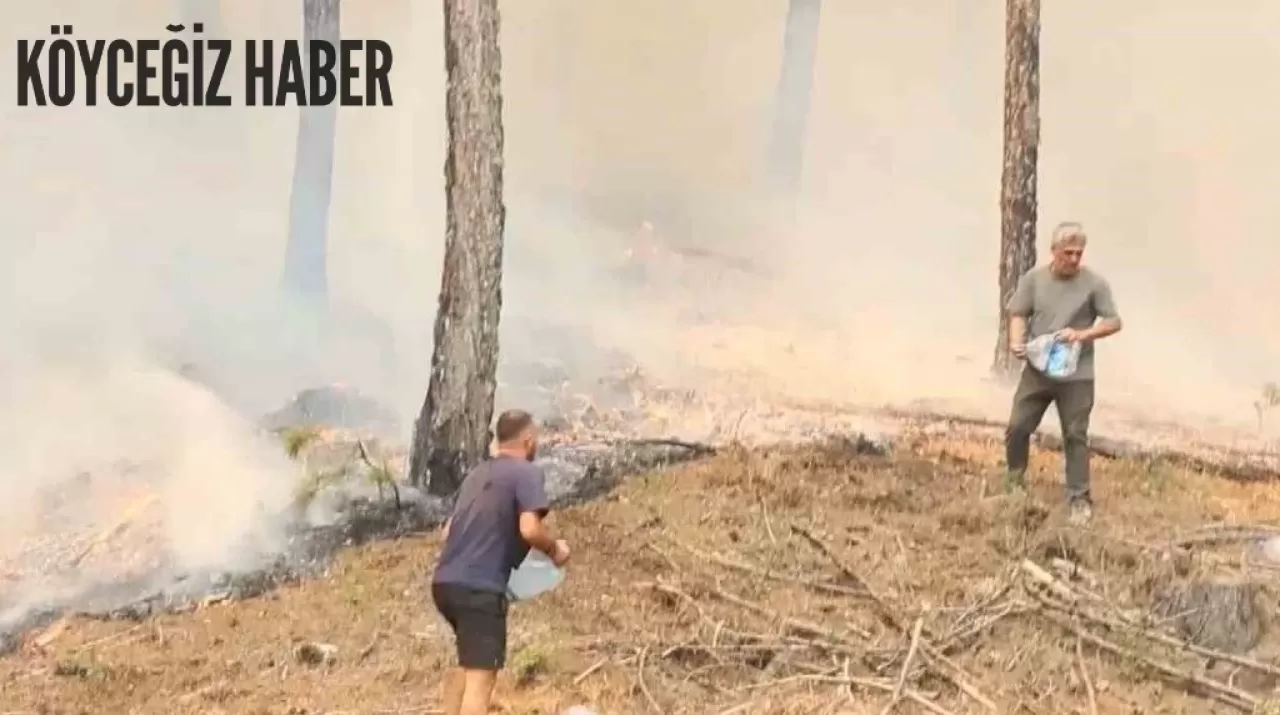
[1218,615]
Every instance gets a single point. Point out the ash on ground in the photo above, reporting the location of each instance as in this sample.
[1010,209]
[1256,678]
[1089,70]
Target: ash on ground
[346,497]
[132,576]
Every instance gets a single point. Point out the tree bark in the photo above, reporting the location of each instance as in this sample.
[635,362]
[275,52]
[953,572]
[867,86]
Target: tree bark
[306,254]
[1021,155]
[452,431]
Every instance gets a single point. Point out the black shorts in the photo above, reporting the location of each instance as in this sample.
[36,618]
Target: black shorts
[479,622]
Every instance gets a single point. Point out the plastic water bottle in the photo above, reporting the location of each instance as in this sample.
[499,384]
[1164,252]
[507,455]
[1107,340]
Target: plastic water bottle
[534,577]
[1056,364]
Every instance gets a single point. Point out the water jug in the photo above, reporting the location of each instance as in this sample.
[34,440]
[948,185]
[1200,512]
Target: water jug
[534,577]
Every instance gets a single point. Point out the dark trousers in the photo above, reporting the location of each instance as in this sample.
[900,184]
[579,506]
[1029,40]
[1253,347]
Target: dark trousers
[479,622]
[1074,400]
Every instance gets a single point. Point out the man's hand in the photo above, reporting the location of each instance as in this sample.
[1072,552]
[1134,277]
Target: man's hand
[1070,336]
[1019,350]
[561,556]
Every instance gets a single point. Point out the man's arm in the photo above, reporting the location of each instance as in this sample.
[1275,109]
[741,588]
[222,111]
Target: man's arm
[535,533]
[1108,322]
[531,501]
[1017,332]
[1105,327]
[1019,309]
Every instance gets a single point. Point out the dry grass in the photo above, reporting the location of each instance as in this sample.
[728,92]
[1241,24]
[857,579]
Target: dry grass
[707,588]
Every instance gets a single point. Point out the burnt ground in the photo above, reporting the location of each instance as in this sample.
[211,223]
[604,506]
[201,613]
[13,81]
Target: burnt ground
[348,495]
[832,578]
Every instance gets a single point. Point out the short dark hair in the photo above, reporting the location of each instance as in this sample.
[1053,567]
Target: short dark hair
[511,424]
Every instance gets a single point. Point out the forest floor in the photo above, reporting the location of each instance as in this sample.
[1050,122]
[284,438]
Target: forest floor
[822,579]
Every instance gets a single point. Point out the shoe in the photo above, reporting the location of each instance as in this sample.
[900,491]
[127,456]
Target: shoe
[1081,513]
[1015,483]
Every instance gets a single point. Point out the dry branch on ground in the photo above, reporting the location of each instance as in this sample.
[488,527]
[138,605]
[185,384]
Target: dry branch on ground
[1047,619]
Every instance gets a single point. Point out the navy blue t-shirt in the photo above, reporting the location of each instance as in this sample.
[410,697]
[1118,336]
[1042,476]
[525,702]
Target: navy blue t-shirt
[484,544]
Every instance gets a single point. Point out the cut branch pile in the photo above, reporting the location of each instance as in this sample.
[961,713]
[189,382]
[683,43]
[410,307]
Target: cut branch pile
[860,647]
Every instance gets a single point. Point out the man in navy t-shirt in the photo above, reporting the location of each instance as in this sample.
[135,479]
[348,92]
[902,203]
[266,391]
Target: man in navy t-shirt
[497,519]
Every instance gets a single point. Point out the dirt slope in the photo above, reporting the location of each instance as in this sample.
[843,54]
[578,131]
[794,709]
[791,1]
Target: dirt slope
[707,588]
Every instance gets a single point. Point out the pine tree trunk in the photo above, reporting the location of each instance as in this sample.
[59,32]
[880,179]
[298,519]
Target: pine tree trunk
[792,97]
[452,431]
[1021,154]
[306,254]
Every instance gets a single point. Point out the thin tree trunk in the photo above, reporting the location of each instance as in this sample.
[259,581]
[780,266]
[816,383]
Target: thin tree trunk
[452,431]
[305,262]
[793,95]
[1021,154]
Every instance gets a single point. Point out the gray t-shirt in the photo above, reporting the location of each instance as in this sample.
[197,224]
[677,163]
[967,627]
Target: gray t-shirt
[1051,303]
[484,543]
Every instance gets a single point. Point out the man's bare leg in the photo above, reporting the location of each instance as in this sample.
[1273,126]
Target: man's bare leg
[455,683]
[479,690]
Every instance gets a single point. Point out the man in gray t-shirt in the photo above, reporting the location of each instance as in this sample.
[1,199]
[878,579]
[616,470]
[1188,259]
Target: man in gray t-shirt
[496,520]
[1074,303]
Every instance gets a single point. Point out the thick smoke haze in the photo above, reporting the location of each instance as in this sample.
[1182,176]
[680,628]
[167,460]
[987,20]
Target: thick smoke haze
[1155,134]
[139,240]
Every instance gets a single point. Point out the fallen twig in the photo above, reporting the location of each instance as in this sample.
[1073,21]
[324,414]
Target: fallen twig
[1212,534]
[1074,608]
[906,667]
[885,613]
[941,664]
[1046,579]
[959,631]
[957,638]
[792,623]
[1084,677]
[367,651]
[590,671]
[52,633]
[1070,569]
[1213,689]
[764,516]
[817,641]
[882,685]
[645,688]
[1162,638]
[775,576]
[108,639]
